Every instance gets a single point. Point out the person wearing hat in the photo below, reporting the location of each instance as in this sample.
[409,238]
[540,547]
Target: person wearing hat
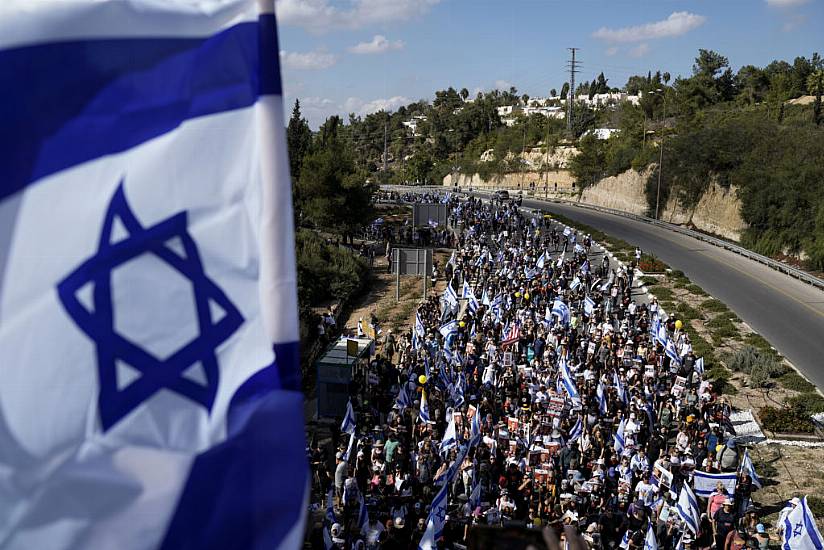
[336,531]
[723,521]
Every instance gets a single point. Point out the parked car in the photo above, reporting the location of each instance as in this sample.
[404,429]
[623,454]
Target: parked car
[502,195]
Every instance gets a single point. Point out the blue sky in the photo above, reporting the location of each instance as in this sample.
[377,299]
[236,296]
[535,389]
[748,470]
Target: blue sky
[341,56]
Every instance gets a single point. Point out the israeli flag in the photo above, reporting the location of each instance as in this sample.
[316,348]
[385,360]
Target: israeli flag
[449,329]
[423,413]
[420,329]
[475,495]
[622,392]
[403,401]
[624,544]
[748,468]
[687,508]
[576,282]
[485,299]
[363,513]
[800,530]
[561,310]
[475,429]
[618,437]
[602,398]
[699,365]
[672,353]
[567,232]
[579,249]
[348,454]
[330,507]
[435,521]
[348,425]
[450,297]
[650,542]
[661,336]
[541,260]
[450,438]
[577,431]
[589,306]
[568,383]
[530,273]
[148,303]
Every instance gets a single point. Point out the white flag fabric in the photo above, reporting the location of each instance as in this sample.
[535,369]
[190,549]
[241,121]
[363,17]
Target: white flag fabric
[687,508]
[348,424]
[800,530]
[435,521]
[449,440]
[748,468]
[704,482]
[148,306]
[650,542]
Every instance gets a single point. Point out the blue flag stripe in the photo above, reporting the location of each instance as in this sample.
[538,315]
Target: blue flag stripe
[105,96]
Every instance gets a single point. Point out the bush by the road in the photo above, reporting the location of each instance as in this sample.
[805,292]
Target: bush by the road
[790,420]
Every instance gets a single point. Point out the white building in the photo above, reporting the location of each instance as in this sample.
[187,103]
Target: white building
[413,122]
[602,133]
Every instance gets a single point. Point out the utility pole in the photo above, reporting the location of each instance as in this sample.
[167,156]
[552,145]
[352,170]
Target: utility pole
[384,148]
[573,68]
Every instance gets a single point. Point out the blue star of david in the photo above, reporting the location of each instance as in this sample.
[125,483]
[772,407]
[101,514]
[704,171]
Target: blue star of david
[98,324]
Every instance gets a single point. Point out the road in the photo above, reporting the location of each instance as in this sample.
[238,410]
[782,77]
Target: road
[787,312]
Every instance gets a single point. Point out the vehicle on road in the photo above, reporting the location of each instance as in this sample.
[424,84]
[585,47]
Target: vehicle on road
[502,195]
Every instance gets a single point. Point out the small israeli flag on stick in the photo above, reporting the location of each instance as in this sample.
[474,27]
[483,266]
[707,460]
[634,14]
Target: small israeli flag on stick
[147,279]
[348,425]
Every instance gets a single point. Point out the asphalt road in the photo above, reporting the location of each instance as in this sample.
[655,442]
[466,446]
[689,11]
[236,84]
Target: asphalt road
[787,312]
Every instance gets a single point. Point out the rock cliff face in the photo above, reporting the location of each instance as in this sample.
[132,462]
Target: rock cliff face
[717,212]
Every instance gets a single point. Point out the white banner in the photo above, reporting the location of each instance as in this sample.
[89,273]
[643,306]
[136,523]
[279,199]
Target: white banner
[704,483]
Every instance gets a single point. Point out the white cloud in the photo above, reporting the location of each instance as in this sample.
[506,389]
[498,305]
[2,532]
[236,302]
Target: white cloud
[678,23]
[786,3]
[321,16]
[360,107]
[308,60]
[378,44]
[640,50]
[612,51]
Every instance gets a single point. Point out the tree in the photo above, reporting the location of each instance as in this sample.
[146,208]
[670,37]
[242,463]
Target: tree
[525,98]
[298,140]
[815,85]
[553,92]
[464,93]
[709,63]
[332,192]
[666,78]
[565,90]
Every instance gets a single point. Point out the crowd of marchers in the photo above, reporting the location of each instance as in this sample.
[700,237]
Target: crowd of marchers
[535,391]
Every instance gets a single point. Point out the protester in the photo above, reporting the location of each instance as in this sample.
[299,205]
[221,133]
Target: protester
[534,390]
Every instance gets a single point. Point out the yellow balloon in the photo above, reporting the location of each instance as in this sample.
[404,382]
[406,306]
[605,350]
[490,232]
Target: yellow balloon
[526,295]
[678,324]
[517,294]
[461,324]
[422,379]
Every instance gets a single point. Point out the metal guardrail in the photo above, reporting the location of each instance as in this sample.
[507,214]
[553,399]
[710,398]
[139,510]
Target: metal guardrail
[737,249]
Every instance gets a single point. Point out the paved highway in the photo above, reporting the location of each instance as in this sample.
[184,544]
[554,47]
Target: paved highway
[787,312]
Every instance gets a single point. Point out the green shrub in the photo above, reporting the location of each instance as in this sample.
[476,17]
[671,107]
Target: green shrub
[743,359]
[650,263]
[811,402]
[326,271]
[722,328]
[720,378]
[662,293]
[677,274]
[697,290]
[794,381]
[687,312]
[714,306]
[790,420]
[649,281]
